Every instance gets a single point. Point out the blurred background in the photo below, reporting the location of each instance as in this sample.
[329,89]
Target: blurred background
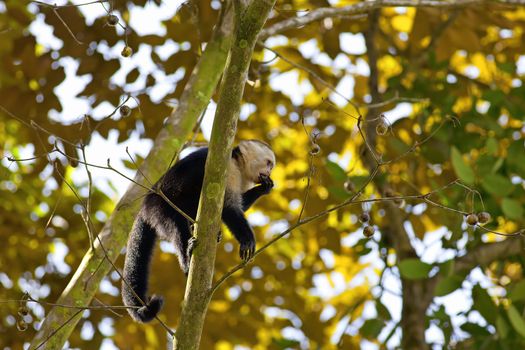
[446,88]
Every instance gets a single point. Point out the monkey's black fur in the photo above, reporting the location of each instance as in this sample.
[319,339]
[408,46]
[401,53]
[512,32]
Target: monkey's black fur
[182,184]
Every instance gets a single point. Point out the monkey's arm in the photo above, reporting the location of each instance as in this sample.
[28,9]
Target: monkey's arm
[238,225]
[250,196]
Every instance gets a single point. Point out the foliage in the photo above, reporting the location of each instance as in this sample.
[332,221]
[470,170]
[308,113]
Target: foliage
[452,94]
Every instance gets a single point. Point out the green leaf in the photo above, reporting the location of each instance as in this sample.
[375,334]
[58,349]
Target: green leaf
[4,173]
[497,164]
[448,285]
[358,181]
[487,164]
[518,291]
[512,208]
[475,329]
[492,146]
[507,67]
[382,311]
[338,192]
[495,97]
[285,343]
[515,158]
[497,185]
[502,327]
[516,320]
[371,328]
[337,173]
[446,268]
[462,169]
[435,151]
[414,269]
[398,145]
[484,304]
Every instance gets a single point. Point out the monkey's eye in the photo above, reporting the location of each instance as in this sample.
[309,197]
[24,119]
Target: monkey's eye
[269,163]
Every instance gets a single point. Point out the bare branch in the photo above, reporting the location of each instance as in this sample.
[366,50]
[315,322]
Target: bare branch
[41,3]
[367,6]
[484,254]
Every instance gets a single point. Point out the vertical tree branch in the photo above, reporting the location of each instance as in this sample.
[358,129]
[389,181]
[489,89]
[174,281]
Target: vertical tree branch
[414,303]
[249,22]
[96,263]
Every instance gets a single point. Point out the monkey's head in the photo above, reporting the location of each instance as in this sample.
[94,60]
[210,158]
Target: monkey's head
[257,159]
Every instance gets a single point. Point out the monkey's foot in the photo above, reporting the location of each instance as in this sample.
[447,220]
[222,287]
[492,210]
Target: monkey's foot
[192,243]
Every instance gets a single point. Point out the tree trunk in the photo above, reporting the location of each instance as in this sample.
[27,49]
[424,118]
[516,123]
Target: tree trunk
[60,322]
[248,23]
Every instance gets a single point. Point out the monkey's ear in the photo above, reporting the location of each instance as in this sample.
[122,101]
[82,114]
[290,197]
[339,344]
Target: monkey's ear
[236,152]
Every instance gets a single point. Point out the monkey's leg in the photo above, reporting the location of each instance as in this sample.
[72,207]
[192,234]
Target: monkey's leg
[176,229]
[186,244]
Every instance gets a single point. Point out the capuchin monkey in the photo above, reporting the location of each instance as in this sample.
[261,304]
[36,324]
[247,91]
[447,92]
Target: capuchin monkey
[248,178]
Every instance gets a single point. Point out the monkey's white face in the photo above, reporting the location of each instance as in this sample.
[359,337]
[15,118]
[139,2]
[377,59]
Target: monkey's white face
[259,160]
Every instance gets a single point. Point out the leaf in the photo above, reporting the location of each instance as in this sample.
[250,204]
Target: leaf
[132,75]
[337,173]
[448,285]
[518,291]
[446,268]
[492,146]
[487,164]
[507,67]
[285,343]
[4,173]
[398,146]
[512,208]
[484,304]
[502,327]
[462,169]
[516,320]
[497,185]
[474,329]
[358,181]
[338,192]
[435,151]
[497,165]
[495,97]
[515,158]
[371,328]
[414,269]
[382,311]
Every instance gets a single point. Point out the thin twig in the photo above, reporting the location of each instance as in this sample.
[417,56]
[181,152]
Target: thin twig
[55,331]
[106,256]
[351,201]
[316,76]
[41,3]
[67,27]
[88,200]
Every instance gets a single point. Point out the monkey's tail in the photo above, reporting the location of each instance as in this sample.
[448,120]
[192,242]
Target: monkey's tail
[141,243]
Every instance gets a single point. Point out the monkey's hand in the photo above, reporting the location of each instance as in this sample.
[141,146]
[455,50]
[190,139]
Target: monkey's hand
[266,183]
[247,249]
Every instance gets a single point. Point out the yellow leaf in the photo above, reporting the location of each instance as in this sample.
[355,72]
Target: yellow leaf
[462,104]
[219,305]
[402,23]
[223,345]
[151,336]
[389,67]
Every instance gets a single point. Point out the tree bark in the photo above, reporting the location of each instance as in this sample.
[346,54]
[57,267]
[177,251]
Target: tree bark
[248,23]
[60,322]
[414,296]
